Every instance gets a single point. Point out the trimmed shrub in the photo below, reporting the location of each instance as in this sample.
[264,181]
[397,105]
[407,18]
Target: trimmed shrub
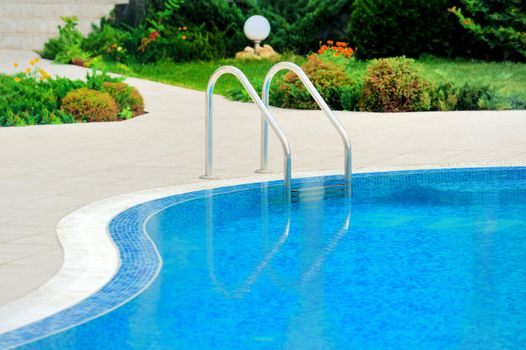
[328,77]
[90,105]
[126,97]
[394,85]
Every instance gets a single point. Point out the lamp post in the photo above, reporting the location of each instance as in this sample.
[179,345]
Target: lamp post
[257,29]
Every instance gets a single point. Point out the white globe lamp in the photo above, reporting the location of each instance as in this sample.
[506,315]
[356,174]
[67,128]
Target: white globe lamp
[257,29]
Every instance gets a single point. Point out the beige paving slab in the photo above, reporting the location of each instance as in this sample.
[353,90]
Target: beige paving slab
[49,171]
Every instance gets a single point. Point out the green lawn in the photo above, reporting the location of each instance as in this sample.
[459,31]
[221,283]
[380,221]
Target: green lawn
[194,75]
[509,79]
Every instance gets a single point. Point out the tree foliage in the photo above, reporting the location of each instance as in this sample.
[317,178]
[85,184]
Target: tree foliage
[500,24]
[383,28]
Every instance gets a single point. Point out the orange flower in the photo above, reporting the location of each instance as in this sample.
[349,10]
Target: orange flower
[330,42]
[184,37]
[184,28]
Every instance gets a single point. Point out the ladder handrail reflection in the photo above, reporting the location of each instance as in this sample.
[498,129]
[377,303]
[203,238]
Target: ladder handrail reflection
[256,272]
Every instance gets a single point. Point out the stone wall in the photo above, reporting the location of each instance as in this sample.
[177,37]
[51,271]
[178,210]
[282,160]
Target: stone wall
[27,24]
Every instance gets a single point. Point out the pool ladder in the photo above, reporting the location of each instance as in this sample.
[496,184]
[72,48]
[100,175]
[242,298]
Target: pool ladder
[267,118]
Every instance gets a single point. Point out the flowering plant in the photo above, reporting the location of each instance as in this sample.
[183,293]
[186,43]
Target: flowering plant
[339,48]
[31,72]
[117,52]
[337,52]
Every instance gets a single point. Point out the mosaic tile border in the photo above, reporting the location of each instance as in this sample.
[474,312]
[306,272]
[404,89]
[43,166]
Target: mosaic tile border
[137,267]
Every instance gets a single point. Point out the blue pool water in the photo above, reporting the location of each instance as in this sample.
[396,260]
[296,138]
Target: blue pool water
[415,260]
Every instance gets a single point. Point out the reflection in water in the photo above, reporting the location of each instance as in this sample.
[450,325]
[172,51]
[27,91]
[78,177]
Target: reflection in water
[313,203]
[252,278]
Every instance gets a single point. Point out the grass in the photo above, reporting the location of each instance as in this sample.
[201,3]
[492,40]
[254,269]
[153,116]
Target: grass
[507,78]
[194,75]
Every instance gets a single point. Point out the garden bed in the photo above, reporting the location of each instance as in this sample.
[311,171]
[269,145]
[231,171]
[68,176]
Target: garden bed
[182,42]
[34,97]
[459,84]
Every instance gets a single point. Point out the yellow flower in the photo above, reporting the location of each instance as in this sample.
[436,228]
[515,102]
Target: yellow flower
[184,37]
[28,70]
[15,64]
[17,79]
[34,61]
[43,74]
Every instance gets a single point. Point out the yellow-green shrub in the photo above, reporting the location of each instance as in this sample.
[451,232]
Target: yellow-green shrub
[126,97]
[394,85]
[90,105]
[328,77]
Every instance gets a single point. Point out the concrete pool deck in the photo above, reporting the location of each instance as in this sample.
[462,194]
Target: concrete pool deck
[49,171]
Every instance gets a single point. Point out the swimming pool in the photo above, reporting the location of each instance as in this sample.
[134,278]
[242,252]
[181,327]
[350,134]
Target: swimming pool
[416,259]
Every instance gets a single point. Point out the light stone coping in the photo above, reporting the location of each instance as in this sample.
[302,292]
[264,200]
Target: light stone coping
[91,259]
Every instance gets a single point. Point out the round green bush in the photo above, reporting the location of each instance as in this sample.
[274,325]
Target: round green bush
[90,105]
[394,85]
[126,97]
[329,78]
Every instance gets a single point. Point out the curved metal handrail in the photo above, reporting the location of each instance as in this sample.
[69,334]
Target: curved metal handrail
[266,116]
[319,100]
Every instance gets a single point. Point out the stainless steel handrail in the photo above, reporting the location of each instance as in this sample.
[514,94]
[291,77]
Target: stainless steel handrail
[209,165]
[324,107]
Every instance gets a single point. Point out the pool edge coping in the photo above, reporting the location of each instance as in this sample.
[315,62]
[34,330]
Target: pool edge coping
[91,258]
